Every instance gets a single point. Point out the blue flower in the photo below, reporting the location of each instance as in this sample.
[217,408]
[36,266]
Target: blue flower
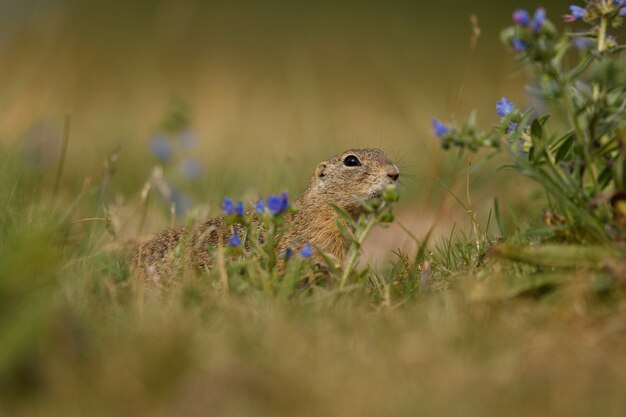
[227,206]
[518,44]
[288,252]
[577,11]
[306,251]
[440,129]
[260,206]
[277,204]
[161,147]
[622,12]
[230,208]
[511,127]
[191,168]
[539,19]
[234,240]
[521,17]
[582,43]
[504,107]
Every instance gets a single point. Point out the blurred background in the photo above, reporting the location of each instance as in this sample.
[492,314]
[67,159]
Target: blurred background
[244,98]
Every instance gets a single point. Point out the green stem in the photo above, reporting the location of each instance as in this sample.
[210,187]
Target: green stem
[602,35]
[601,48]
[66,139]
[253,238]
[353,255]
[580,133]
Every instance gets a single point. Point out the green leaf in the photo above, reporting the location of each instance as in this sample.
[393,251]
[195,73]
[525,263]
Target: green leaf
[536,130]
[563,149]
[619,168]
[344,214]
[557,255]
[605,177]
[584,64]
[343,230]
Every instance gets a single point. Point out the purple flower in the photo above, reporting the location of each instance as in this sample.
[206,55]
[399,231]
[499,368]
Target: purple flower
[622,12]
[518,44]
[504,107]
[230,208]
[521,17]
[306,251]
[511,127]
[260,206]
[288,252]
[539,19]
[191,168]
[234,240]
[440,129]
[161,147]
[277,204]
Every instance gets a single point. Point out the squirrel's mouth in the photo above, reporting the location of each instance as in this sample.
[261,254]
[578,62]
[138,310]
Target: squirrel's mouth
[384,184]
[376,194]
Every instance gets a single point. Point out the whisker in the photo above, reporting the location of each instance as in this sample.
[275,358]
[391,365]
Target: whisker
[401,184]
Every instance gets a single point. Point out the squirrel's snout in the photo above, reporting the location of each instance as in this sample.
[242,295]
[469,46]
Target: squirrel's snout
[393,172]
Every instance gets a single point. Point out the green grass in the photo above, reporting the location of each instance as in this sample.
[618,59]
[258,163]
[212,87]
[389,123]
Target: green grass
[472,334]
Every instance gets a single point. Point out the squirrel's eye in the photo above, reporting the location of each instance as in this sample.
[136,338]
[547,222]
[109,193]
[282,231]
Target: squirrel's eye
[351,161]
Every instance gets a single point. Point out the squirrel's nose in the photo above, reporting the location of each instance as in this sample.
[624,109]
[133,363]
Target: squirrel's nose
[393,172]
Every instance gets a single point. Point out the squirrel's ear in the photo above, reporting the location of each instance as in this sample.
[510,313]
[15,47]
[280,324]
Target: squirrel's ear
[320,171]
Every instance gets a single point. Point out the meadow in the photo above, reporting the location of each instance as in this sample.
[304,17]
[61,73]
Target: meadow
[496,288]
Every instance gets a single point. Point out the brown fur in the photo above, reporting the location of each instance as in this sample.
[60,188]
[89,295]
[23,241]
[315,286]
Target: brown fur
[165,255]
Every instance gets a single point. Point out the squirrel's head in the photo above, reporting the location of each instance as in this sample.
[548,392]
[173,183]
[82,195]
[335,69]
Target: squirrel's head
[353,176]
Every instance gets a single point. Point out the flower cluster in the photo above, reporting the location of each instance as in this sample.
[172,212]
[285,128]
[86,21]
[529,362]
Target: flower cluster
[595,11]
[230,208]
[465,137]
[576,165]
[522,18]
[276,205]
[173,147]
[171,150]
[524,34]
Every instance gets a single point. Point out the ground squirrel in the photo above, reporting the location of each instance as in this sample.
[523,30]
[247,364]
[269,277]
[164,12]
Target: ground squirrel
[345,180]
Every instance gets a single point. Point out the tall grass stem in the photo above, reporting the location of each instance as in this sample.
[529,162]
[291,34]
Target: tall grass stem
[64,144]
